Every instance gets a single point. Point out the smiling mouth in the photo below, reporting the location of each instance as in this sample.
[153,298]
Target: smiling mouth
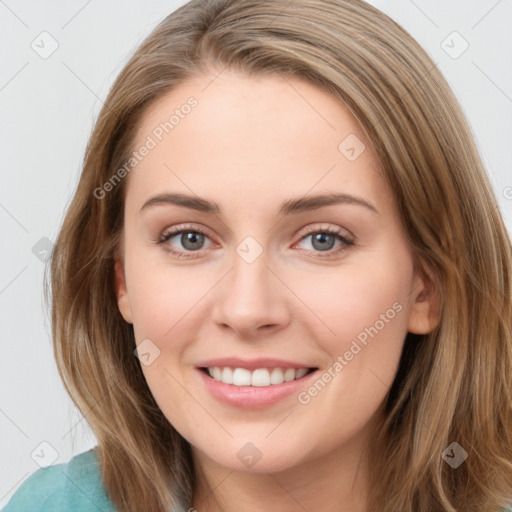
[260,377]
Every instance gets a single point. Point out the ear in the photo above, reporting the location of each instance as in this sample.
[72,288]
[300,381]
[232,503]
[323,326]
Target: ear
[123,301]
[425,311]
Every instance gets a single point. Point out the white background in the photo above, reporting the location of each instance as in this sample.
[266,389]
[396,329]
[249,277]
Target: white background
[48,107]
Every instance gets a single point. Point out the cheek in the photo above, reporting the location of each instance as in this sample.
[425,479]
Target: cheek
[168,305]
[167,309]
[363,305]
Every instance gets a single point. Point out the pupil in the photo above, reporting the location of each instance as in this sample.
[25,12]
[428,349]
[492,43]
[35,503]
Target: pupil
[189,239]
[321,238]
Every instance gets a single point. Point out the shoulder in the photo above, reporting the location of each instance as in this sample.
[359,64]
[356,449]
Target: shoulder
[75,485]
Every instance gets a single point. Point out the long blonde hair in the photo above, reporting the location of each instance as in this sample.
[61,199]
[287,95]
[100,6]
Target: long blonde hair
[453,385]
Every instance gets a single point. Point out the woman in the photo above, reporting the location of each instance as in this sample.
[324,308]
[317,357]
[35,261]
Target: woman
[283,279]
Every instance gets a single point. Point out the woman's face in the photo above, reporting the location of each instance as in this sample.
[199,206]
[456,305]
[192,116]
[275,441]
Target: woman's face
[260,234]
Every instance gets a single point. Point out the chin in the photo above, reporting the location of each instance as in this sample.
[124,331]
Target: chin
[248,457]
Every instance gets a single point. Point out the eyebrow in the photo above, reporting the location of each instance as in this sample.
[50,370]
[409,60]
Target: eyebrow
[291,206]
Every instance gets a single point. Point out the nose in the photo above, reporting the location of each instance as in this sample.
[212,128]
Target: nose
[251,300]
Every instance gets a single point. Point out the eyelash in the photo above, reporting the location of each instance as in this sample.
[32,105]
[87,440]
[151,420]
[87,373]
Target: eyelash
[347,242]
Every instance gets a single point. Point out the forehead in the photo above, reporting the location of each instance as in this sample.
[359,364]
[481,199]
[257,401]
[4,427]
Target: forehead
[231,133]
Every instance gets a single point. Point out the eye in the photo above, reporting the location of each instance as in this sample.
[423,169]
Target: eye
[191,239]
[324,240]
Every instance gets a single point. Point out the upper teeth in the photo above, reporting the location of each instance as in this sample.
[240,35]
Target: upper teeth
[259,377]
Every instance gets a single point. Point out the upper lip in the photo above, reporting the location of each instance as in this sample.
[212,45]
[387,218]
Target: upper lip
[251,364]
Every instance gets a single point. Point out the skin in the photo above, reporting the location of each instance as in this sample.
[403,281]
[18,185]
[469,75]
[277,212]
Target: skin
[249,145]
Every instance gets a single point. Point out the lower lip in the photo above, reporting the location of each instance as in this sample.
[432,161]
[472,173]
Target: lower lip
[253,397]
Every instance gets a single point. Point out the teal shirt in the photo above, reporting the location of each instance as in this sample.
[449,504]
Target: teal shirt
[73,486]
